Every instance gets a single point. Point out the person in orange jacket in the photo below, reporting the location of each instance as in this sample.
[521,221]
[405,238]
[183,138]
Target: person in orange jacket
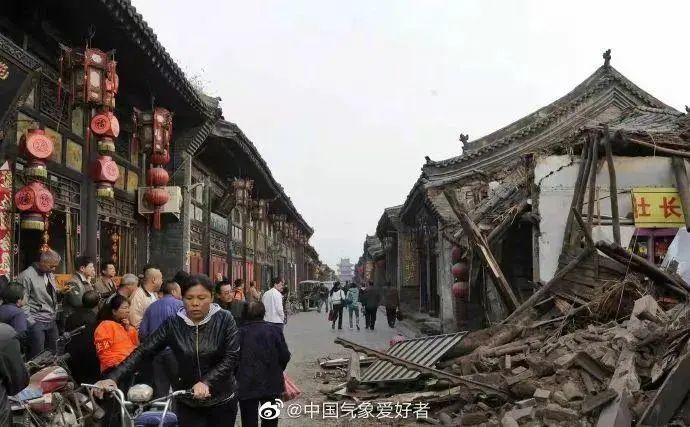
[114,337]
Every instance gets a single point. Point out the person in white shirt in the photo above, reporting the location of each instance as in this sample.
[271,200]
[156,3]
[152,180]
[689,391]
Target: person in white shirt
[145,295]
[273,301]
[337,300]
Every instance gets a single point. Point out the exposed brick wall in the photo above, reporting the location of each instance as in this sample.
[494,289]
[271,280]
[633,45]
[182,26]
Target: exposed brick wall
[166,246]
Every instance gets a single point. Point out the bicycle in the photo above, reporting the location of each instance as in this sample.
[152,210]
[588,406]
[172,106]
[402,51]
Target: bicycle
[133,411]
[293,306]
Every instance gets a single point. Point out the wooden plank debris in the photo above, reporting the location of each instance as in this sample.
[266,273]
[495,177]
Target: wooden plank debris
[613,188]
[353,373]
[473,232]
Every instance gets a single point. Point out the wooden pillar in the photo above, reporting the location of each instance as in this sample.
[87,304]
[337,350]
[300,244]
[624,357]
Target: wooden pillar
[681,174]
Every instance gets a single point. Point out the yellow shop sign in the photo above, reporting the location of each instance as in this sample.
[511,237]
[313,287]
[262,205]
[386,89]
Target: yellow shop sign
[657,208]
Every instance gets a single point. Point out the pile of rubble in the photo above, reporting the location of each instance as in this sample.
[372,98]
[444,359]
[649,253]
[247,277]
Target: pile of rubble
[617,361]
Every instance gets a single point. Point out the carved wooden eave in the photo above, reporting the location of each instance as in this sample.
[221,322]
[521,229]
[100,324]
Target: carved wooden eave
[600,98]
[389,222]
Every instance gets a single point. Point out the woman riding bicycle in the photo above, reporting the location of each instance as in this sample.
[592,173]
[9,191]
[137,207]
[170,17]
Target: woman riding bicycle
[205,342]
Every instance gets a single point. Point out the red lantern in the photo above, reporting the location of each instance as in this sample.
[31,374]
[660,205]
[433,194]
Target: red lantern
[157,177]
[157,197]
[161,158]
[461,289]
[456,253]
[105,172]
[162,130]
[90,76]
[35,201]
[106,127]
[459,270]
[37,147]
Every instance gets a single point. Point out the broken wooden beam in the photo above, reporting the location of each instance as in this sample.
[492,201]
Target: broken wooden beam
[657,148]
[473,233]
[541,292]
[424,370]
[642,265]
[576,203]
[613,187]
[584,229]
[591,190]
[681,175]
[501,228]
[670,396]
[353,372]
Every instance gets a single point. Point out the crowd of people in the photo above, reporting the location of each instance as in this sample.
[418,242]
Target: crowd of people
[144,329]
[359,299]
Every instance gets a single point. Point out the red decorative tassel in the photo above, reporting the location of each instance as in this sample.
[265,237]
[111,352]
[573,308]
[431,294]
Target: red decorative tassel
[157,218]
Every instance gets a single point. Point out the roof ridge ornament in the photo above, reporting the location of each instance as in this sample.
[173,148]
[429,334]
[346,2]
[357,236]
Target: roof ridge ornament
[687,110]
[464,138]
[607,58]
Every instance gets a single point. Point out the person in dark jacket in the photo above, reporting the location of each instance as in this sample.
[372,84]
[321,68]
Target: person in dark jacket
[372,300]
[11,311]
[13,374]
[83,362]
[263,357]
[205,341]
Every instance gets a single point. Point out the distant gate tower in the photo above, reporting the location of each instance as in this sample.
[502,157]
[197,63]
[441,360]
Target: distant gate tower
[345,270]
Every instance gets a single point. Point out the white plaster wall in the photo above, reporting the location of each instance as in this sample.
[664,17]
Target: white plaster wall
[556,177]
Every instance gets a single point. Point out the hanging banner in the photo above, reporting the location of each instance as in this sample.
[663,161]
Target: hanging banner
[657,208]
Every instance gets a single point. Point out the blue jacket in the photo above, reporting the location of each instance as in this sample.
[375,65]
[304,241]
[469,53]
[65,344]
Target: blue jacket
[263,357]
[157,313]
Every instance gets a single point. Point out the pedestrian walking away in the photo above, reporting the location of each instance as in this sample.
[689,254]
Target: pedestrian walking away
[264,355]
[13,375]
[372,301]
[205,341]
[391,300]
[337,300]
[353,304]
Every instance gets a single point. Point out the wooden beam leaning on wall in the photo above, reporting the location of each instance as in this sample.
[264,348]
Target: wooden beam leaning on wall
[681,175]
[578,195]
[613,187]
[473,233]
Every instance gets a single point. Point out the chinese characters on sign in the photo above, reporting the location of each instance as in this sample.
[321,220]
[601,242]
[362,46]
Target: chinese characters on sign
[657,208]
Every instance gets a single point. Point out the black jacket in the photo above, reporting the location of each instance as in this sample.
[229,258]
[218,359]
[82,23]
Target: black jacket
[13,375]
[263,357]
[372,298]
[83,362]
[206,352]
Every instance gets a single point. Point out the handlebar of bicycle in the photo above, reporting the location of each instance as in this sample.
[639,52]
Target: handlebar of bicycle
[121,395]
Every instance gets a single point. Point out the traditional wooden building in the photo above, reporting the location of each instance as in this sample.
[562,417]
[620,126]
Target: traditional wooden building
[515,187]
[129,190]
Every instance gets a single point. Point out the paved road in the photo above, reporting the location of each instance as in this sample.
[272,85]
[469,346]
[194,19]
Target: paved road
[310,337]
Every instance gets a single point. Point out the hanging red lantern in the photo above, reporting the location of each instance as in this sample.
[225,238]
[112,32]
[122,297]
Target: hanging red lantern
[157,177]
[456,253]
[105,172]
[37,147]
[34,201]
[157,197]
[90,76]
[161,158]
[106,127]
[459,270]
[162,130]
[461,289]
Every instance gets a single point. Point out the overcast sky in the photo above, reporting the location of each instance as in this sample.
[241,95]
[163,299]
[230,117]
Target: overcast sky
[345,98]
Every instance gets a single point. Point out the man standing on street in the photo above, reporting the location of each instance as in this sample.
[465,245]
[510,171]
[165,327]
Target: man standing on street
[105,285]
[145,295]
[392,302]
[372,300]
[273,301]
[41,309]
[164,363]
[78,284]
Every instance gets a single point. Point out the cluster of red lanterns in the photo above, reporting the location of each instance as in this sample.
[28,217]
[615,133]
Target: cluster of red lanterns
[34,200]
[154,133]
[91,77]
[459,271]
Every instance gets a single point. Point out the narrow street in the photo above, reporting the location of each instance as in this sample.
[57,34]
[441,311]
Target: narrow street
[310,338]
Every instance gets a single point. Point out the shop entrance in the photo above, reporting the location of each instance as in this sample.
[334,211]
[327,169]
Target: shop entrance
[63,238]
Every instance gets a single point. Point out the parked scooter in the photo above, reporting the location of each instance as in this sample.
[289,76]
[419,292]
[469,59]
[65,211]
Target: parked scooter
[50,399]
[140,410]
